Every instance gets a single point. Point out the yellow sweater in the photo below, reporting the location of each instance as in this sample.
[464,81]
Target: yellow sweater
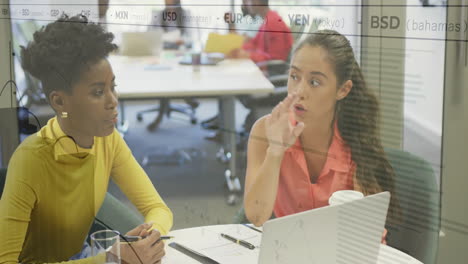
[54,189]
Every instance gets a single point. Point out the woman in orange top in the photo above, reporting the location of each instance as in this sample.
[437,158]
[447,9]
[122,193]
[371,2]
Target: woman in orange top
[322,138]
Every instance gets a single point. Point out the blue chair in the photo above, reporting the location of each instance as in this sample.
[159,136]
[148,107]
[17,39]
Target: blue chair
[419,198]
[116,215]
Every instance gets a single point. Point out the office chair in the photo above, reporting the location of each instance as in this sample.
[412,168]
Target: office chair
[116,215]
[260,105]
[166,108]
[419,198]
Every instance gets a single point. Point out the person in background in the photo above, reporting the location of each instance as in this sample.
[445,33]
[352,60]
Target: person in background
[177,32]
[322,138]
[273,40]
[57,178]
[248,27]
[174,25]
[249,24]
[103,7]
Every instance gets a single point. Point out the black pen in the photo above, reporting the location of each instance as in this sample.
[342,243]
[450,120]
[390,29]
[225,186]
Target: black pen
[253,228]
[238,241]
[136,238]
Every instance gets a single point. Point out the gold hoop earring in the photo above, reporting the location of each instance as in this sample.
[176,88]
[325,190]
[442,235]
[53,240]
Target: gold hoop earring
[64,115]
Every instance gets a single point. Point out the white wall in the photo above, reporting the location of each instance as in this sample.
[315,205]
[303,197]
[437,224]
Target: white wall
[425,70]
[424,83]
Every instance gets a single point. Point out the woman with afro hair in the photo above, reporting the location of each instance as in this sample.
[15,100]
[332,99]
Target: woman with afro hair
[57,178]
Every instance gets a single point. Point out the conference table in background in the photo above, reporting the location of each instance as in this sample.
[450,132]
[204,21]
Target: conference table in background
[141,78]
[205,234]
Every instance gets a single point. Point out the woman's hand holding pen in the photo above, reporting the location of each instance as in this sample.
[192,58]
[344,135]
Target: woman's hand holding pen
[281,134]
[149,250]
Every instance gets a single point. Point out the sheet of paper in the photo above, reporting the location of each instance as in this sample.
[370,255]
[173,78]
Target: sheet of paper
[211,244]
[223,43]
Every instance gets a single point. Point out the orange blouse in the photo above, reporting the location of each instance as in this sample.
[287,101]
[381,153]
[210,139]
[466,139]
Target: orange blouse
[296,193]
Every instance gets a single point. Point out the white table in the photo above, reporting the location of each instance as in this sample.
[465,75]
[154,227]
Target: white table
[387,254]
[151,78]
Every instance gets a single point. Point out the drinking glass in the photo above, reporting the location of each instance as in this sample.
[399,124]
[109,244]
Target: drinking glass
[107,242]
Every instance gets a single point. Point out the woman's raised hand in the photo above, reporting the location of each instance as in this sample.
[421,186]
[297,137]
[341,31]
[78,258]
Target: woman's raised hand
[281,134]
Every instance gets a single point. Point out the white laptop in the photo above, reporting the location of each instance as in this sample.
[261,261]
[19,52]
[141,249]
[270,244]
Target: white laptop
[347,233]
[148,43]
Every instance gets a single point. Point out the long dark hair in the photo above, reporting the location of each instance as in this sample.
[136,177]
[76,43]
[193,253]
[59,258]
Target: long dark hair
[358,117]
